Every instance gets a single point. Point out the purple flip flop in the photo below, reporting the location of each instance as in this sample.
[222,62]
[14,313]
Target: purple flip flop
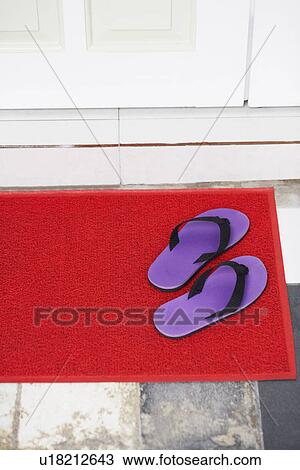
[201,239]
[216,294]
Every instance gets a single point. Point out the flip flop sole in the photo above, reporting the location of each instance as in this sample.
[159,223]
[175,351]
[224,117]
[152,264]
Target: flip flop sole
[182,316]
[171,270]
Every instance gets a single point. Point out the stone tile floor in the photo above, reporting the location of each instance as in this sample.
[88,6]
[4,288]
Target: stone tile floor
[158,416]
[130,416]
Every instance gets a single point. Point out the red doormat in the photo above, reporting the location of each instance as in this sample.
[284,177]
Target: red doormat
[76,305]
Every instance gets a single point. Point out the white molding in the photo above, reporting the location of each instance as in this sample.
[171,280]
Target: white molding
[209,124]
[58,132]
[152,125]
[58,127]
[57,114]
[228,112]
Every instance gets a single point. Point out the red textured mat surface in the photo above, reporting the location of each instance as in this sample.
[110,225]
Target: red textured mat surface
[75,303]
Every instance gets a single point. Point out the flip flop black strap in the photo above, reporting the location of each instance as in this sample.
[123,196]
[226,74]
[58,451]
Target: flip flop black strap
[238,291]
[224,226]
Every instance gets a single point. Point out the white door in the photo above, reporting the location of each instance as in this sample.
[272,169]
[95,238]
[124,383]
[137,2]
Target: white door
[122,53]
[275,75]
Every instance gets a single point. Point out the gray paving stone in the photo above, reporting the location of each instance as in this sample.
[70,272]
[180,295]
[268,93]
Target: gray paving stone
[200,416]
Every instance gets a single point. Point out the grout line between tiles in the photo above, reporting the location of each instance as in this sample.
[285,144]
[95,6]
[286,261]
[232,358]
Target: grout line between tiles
[16,418]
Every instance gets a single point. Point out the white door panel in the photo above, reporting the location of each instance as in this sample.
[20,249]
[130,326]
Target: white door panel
[275,74]
[42,17]
[15,14]
[138,53]
[141,25]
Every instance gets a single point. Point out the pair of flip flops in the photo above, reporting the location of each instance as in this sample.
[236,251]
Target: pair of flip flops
[217,293]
